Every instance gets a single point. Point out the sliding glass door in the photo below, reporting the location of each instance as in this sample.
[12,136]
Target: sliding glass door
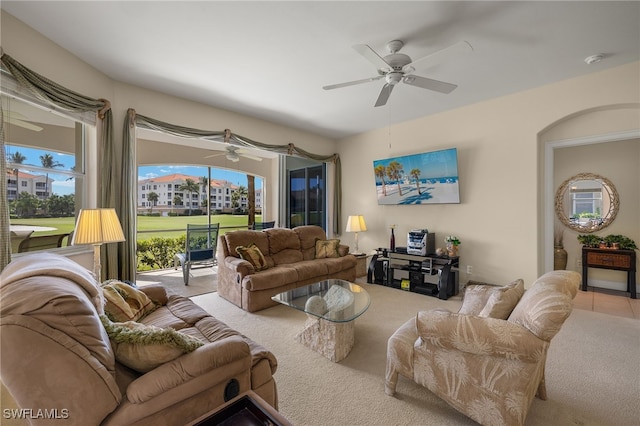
[307,196]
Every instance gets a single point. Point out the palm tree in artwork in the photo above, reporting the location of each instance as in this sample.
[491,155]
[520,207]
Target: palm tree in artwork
[380,171]
[17,158]
[48,162]
[394,172]
[415,173]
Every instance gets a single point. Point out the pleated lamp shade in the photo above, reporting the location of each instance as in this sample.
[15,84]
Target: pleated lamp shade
[97,226]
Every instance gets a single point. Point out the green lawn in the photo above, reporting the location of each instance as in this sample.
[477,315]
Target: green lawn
[148,226]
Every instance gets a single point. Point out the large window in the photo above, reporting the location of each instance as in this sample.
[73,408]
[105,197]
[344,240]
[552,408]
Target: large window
[46,154]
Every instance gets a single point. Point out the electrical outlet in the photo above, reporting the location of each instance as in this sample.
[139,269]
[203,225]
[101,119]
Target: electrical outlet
[469,269]
[579,263]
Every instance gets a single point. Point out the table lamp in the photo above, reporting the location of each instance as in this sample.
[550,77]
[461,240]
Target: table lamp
[97,227]
[356,224]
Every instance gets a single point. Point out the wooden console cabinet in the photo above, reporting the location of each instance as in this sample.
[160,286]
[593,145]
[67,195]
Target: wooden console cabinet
[619,260]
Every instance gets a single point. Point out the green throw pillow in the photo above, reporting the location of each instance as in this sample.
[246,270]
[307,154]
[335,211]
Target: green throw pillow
[144,347]
[253,255]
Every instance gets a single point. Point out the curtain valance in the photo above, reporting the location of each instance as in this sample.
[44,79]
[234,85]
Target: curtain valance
[129,164]
[61,97]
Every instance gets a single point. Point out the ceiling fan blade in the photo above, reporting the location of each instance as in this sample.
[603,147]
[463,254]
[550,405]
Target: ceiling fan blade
[442,55]
[384,95]
[351,83]
[430,84]
[215,155]
[22,123]
[249,156]
[372,57]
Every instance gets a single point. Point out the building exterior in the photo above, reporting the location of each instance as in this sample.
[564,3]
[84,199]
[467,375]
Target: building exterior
[170,198]
[39,185]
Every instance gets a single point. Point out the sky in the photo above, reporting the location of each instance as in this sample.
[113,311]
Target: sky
[64,185]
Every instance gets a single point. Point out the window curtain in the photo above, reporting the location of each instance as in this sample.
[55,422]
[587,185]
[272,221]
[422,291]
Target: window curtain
[61,97]
[128,212]
[5,233]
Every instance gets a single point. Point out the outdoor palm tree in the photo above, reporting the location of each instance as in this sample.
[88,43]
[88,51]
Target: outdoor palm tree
[415,173]
[177,200]
[394,172]
[237,196]
[380,171]
[48,162]
[17,158]
[152,197]
[190,186]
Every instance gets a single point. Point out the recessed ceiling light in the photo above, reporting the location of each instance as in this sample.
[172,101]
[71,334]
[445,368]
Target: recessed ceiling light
[594,58]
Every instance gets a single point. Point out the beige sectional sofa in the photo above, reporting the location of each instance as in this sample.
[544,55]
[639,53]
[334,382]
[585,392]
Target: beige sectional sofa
[291,259]
[58,351]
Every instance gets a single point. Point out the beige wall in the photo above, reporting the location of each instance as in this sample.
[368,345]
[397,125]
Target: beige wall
[499,219]
[618,161]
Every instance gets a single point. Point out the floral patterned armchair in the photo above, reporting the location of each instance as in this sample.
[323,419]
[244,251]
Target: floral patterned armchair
[488,360]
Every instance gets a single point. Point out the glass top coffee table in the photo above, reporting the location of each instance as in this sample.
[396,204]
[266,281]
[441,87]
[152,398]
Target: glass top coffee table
[332,307]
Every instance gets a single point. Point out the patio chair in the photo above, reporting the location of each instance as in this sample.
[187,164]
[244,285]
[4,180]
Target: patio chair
[259,226]
[41,242]
[200,248]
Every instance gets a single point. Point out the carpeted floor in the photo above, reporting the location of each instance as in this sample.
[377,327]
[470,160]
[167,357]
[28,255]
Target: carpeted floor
[202,280]
[592,369]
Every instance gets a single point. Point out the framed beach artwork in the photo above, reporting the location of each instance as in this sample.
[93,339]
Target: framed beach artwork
[427,178]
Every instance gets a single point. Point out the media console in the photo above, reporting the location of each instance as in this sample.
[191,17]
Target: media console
[431,274]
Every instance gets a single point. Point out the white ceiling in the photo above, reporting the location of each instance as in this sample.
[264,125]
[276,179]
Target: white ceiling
[270,59]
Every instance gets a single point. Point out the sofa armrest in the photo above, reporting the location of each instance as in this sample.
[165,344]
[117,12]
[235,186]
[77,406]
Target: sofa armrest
[479,336]
[156,292]
[239,266]
[189,367]
[343,250]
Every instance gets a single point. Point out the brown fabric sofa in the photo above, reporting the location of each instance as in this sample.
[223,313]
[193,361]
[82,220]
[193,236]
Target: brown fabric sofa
[488,360]
[290,255]
[56,353]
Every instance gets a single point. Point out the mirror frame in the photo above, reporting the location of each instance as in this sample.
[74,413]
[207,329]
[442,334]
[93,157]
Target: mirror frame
[610,190]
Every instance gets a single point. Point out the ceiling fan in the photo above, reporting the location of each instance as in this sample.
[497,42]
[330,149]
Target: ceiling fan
[397,67]
[19,119]
[233,153]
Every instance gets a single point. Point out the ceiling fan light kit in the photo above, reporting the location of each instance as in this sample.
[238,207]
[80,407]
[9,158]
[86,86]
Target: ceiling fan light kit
[397,67]
[233,153]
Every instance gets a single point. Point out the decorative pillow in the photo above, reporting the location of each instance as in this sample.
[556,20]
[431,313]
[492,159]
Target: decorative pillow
[124,302]
[475,298]
[327,248]
[145,347]
[503,300]
[253,255]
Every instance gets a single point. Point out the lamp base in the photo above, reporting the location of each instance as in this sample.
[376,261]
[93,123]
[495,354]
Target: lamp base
[97,267]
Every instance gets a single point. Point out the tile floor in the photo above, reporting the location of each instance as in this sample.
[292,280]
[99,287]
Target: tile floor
[607,302]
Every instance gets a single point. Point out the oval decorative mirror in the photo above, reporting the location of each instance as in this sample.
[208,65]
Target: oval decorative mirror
[587,202]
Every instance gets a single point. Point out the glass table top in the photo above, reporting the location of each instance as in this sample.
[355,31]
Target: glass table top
[333,300]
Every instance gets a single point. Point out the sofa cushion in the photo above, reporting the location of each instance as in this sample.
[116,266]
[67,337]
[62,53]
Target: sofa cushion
[275,277]
[253,255]
[546,305]
[124,302]
[477,297]
[245,238]
[339,264]
[308,235]
[503,300]
[308,269]
[144,347]
[327,248]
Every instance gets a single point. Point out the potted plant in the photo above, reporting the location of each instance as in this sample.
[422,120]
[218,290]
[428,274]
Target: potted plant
[589,240]
[452,245]
[620,242]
